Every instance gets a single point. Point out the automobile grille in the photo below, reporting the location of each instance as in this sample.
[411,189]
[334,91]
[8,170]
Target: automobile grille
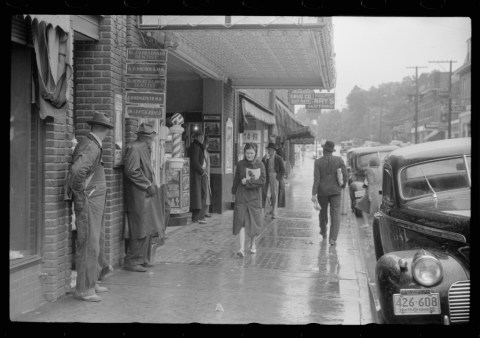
[459,302]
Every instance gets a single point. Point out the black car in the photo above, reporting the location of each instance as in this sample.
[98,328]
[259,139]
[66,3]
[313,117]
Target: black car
[422,234]
[357,164]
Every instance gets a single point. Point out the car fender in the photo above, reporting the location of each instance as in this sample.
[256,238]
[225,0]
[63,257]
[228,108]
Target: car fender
[390,279]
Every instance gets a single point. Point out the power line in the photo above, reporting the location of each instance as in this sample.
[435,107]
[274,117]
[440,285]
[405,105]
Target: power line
[416,101]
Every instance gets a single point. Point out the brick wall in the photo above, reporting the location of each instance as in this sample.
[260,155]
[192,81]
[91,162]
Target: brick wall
[99,76]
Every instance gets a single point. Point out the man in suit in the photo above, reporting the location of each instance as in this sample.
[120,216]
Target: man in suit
[275,171]
[88,186]
[327,190]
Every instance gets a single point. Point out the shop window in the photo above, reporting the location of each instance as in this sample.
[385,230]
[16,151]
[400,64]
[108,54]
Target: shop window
[25,161]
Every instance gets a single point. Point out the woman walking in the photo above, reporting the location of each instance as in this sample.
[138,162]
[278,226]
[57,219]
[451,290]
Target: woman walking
[370,202]
[247,188]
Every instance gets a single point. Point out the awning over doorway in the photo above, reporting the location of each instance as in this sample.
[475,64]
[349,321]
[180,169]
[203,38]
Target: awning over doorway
[289,126]
[435,135]
[62,21]
[250,109]
[253,52]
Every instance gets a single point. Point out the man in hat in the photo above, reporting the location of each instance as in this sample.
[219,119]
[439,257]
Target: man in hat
[275,171]
[198,179]
[327,190]
[88,187]
[144,202]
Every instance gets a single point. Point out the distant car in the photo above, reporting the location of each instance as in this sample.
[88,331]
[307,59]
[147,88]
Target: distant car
[357,164]
[422,234]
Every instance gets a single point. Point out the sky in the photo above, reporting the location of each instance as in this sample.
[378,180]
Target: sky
[370,51]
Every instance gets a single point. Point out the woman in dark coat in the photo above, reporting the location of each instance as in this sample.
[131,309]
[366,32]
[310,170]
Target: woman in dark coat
[370,202]
[247,188]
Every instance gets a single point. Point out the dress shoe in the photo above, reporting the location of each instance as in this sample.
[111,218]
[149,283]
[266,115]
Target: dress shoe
[99,288]
[135,268]
[90,298]
[253,250]
[333,242]
[148,265]
[241,253]
[202,221]
[208,215]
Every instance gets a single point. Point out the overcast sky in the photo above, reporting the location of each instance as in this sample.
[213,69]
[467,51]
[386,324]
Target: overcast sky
[374,50]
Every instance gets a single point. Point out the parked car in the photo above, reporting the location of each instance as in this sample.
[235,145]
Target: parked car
[357,164]
[422,234]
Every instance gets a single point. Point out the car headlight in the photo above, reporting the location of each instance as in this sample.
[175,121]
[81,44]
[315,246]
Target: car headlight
[426,269]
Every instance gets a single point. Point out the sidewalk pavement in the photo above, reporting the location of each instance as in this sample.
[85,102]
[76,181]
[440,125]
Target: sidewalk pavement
[294,278]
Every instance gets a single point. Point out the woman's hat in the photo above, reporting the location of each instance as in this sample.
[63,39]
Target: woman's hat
[146,130]
[329,146]
[101,119]
[272,146]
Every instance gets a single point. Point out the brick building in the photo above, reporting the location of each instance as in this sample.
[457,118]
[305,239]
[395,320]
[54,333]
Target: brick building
[203,83]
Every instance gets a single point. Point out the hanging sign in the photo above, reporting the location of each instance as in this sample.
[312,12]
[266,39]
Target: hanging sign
[143,54]
[145,98]
[143,111]
[146,69]
[322,101]
[145,83]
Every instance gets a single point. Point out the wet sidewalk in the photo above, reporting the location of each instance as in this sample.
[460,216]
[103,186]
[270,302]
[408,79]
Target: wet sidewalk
[294,278]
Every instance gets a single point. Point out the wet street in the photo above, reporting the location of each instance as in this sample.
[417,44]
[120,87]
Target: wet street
[294,278]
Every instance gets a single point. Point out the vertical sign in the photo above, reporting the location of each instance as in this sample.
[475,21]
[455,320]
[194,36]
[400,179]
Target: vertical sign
[229,147]
[118,140]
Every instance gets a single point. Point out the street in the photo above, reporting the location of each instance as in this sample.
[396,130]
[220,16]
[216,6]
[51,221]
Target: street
[294,278]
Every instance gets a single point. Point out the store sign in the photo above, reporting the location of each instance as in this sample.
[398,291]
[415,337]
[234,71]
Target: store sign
[145,83]
[142,54]
[435,125]
[145,98]
[322,101]
[143,111]
[300,96]
[254,136]
[146,69]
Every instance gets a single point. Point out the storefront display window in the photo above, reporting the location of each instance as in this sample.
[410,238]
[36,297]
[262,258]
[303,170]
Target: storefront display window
[25,161]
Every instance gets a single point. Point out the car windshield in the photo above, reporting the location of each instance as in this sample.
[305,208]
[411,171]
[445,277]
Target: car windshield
[432,177]
[363,160]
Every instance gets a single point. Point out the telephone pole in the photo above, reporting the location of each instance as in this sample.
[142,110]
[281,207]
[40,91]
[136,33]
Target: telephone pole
[449,96]
[416,101]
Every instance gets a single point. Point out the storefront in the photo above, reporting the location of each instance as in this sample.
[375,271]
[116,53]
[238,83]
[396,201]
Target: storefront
[116,63]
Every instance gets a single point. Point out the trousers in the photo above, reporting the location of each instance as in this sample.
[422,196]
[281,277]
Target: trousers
[139,251]
[335,202]
[272,183]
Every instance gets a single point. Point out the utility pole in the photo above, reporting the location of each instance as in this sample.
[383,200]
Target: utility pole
[449,96]
[416,101]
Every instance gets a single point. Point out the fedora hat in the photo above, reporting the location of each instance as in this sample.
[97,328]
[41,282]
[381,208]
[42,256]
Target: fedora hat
[329,146]
[272,146]
[146,130]
[100,119]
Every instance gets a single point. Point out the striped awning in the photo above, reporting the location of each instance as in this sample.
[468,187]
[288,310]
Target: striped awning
[288,125]
[250,109]
[62,21]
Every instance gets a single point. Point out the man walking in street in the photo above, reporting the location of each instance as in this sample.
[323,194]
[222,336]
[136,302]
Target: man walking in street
[198,179]
[327,190]
[275,171]
[89,188]
[144,202]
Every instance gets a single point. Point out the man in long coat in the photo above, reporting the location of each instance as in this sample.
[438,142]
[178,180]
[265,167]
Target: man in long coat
[275,171]
[89,189]
[198,179]
[144,202]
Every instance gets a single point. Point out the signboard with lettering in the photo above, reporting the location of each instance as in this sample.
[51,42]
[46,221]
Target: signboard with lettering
[300,98]
[252,136]
[145,83]
[143,54]
[435,125]
[322,101]
[143,111]
[145,98]
[146,69]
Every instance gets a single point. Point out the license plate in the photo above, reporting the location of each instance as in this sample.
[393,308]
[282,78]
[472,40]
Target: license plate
[416,302]
[359,193]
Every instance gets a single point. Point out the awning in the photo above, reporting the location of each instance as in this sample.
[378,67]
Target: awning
[253,52]
[435,135]
[62,21]
[288,125]
[250,109]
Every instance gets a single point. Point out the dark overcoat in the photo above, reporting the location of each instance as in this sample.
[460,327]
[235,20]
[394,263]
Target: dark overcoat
[144,214]
[248,198]
[197,179]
